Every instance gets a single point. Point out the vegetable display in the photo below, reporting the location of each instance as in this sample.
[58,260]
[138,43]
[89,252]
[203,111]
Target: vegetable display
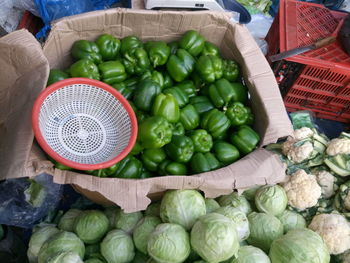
[186,227]
[192,109]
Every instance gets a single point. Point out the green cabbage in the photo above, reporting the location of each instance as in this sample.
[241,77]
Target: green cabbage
[91,226]
[250,254]
[142,231]
[92,251]
[239,218]
[214,238]
[117,247]
[153,209]
[66,257]
[140,257]
[182,207]
[236,201]
[271,199]
[94,260]
[169,243]
[299,246]
[38,238]
[264,229]
[291,220]
[127,221]
[111,213]
[61,242]
[249,194]
[211,205]
[66,222]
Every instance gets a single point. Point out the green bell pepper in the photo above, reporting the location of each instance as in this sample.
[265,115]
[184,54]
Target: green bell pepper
[168,81]
[145,174]
[60,166]
[84,68]
[240,92]
[129,168]
[168,167]
[174,46]
[136,61]
[84,49]
[151,158]
[178,128]
[137,149]
[180,65]
[221,93]
[230,70]
[193,42]
[155,132]
[210,49]
[188,87]
[238,114]
[56,75]
[189,117]
[131,83]
[130,43]
[110,171]
[112,72]
[197,80]
[202,140]
[158,52]
[201,103]
[123,89]
[204,162]
[215,122]
[245,139]
[180,149]
[145,94]
[109,46]
[225,152]
[251,117]
[209,68]
[180,96]
[141,116]
[154,75]
[165,105]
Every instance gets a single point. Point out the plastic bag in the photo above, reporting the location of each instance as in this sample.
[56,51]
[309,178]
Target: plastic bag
[12,248]
[24,202]
[259,27]
[28,5]
[50,10]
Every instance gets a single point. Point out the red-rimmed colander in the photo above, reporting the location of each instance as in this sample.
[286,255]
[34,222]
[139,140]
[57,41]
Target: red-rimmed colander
[84,123]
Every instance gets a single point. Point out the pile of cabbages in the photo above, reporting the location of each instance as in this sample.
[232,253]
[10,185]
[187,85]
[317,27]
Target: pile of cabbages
[258,226]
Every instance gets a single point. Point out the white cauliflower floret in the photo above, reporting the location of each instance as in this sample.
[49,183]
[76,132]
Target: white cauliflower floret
[326,181]
[302,190]
[338,146]
[300,153]
[303,133]
[287,145]
[335,231]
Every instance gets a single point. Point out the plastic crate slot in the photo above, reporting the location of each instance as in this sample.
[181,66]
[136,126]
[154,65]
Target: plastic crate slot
[293,100]
[334,77]
[332,90]
[342,102]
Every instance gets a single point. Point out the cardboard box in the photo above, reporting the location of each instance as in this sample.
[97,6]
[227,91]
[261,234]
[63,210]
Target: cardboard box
[24,73]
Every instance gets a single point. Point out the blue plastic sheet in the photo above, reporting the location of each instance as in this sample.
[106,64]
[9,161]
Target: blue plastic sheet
[51,10]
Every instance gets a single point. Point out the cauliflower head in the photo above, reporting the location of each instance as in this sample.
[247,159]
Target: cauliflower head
[303,133]
[338,146]
[335,231]
[302,190]
[297,152]
[327,181]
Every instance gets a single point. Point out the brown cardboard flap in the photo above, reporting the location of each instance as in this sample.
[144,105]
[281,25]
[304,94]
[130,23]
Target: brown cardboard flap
[260,167]
[24,72]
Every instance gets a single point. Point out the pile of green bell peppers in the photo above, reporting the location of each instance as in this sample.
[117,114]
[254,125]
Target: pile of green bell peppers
[192,108]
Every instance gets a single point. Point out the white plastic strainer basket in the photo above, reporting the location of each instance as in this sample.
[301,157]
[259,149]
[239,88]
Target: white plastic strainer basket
[84,124]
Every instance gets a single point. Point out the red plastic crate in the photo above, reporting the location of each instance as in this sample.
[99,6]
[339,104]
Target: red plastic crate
[322,83]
